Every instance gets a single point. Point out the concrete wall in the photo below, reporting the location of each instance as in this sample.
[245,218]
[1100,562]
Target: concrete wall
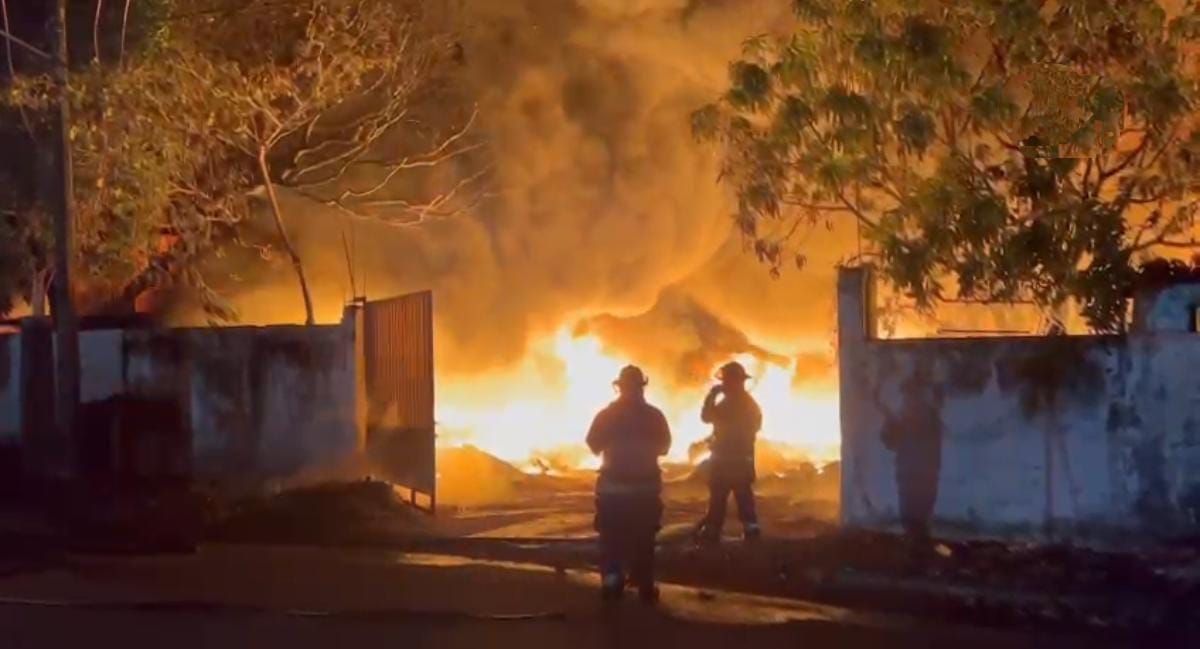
[263,403]
[1081,438]
[10,395]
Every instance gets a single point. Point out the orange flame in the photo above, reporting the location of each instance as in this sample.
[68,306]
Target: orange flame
[537,415]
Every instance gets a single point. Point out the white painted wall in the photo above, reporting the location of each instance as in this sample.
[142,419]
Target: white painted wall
[10,378]
[1114,453]
[100,362]
[263,402]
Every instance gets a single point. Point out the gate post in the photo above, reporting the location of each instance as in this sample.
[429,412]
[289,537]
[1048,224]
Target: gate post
[45,452]
[353,319]
[855,331]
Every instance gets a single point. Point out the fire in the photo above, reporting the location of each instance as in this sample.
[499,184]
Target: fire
[536,416]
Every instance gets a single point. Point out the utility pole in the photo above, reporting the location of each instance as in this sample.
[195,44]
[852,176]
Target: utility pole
[66,326]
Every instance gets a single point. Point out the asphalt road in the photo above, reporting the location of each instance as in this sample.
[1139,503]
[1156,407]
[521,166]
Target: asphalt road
[294,598]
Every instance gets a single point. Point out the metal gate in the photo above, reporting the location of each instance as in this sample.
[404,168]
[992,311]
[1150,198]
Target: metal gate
[398,350]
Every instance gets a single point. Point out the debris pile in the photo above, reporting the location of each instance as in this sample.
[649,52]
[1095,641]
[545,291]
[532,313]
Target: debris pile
[340,512]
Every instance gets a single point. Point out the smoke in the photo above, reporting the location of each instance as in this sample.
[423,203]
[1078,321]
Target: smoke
[678,338]
[606,212]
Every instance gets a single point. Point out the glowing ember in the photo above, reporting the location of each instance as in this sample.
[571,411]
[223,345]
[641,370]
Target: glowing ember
[536,416]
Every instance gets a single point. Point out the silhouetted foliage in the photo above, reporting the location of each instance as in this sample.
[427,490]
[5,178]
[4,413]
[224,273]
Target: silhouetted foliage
[993,149]
[183,111]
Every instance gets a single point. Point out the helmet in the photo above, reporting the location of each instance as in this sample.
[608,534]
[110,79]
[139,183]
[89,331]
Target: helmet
[732,371]
[631,376]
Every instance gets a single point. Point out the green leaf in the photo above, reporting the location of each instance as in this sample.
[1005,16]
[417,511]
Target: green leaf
[751,86]
[797,63]
[846,105]
[794,116]
[924,40]
[872,50]
[916,130]
[998,207]
[814,10]
[992,106]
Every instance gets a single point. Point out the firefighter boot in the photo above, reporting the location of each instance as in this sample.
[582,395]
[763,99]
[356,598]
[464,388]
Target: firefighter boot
[612,586]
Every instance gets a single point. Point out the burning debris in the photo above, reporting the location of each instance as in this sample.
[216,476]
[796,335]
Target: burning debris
[542,429]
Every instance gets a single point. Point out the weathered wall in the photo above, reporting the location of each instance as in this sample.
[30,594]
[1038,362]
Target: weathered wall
[1171,308]
[1089,438]
[262,402]
[10,395]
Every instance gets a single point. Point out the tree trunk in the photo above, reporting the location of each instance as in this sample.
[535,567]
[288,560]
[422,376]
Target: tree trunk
[65,323]
[265,171]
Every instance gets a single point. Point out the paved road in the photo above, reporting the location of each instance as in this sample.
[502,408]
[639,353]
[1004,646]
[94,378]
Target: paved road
[288,597]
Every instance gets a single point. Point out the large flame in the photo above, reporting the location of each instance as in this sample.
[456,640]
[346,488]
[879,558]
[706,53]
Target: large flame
[536,416]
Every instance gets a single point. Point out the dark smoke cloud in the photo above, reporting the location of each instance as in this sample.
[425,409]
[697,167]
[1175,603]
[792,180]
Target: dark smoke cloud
[606,208]
[677,339]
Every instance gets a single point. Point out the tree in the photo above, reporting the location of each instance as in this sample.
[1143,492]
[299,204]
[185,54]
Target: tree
[137,177]
[993,149]
[314,92]
[184,112]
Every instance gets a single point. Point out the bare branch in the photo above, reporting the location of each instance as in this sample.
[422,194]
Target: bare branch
[817,207]
[412,214]
[858,213]
[12,70]
[439,155]
[124,31]
[96,31]
[8,36]
[1123,164]
[1163,242]
[358,142]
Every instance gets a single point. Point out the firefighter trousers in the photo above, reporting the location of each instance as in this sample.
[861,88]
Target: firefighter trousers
[627,525]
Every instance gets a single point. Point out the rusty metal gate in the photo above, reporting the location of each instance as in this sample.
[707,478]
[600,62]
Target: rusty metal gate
[398,350]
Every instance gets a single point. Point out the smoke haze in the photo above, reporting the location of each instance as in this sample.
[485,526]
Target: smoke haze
[606,211]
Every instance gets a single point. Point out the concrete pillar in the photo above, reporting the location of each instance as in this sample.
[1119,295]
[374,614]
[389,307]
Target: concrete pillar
[353,322]
[46,453]
[856,329]
[856,305]
[1166,309]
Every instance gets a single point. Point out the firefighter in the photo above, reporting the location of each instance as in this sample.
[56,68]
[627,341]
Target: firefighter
[630,435]
[736,420]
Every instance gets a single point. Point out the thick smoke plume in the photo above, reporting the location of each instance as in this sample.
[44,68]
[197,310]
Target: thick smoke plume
[606,213]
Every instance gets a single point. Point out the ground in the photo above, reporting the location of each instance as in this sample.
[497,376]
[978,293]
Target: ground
[261,596]
[351,561]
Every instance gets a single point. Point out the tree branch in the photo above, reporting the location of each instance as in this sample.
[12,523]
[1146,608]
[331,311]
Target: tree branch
[1123,164]
[124,31]
[8,36]
[858,213]
[12,71]
[96,31]
[1163,242]
[358,142]
[433,208]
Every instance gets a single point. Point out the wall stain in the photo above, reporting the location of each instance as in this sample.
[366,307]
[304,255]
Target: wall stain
[1122,417]
[1191,432]
[914,433]
[1058,369]
[968,371]
[1153,501]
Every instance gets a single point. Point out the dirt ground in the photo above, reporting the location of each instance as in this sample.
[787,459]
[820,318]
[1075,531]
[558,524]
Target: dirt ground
[265,596]
[803,556]
[546,520]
